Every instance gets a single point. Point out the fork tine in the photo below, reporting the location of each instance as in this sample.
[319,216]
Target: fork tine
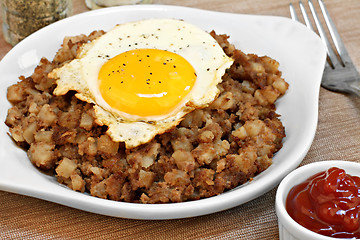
[340,74]
[306,16]
[323,36]
[340,47]
[293,13]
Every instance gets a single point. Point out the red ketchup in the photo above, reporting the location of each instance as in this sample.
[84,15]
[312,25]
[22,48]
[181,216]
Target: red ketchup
[327,203]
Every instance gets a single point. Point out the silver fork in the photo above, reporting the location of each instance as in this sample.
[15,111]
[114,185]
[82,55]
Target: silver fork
[340,73]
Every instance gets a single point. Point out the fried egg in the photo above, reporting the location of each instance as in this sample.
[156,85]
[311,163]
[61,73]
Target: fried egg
[143,77]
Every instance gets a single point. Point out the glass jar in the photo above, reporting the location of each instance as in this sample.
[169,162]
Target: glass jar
[23,17]
[96,4]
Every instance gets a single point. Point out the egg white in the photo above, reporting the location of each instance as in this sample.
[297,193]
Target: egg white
[192,43]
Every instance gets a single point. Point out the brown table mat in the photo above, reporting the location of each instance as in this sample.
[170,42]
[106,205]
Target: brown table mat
[337,137]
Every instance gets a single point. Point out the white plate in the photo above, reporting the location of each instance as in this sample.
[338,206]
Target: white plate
[301,55]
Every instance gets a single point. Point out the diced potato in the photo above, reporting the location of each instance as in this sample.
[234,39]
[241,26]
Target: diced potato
[270,94]
[99,173]
[106,145]
[99,189]
[177,177]
[245,160]
[271,65]
[222,147]
[13,116]
[280,85]
[204,153]
[88,147]
[206,136]
[77,183]
[86,121]
[253,128]
[46,115]
[146,179]
[240,133]
[42,155]
[17,133]
[29,132]
[66,167]
[184,160]
[69,119]
[225,101]
[44,136]
[15,93]
[248,87]
[261,99]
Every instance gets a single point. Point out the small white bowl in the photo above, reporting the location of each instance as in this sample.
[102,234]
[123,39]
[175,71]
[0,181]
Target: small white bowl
[289,229]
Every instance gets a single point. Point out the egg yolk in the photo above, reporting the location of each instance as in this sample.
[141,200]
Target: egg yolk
[146,82]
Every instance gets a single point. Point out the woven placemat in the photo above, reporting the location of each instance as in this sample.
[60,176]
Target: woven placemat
[337,137]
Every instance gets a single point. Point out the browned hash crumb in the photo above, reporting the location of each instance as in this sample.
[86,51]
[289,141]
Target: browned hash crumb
[212,150]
